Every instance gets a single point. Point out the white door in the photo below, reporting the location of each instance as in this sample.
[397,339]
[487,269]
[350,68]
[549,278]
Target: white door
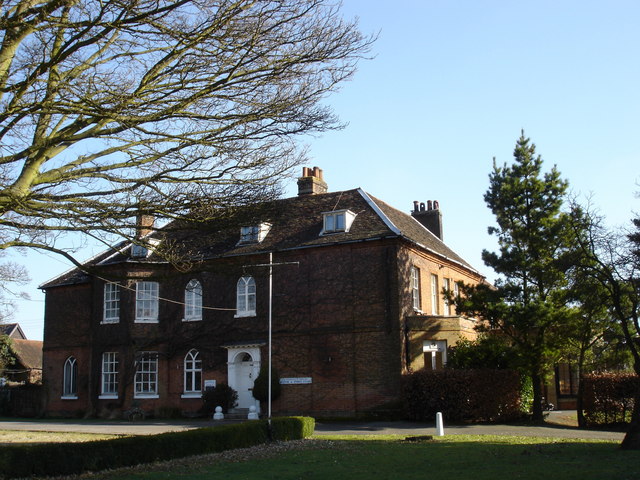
[244,379]
[243,369]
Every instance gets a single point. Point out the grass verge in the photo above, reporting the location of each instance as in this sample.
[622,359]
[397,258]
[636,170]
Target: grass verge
[373,457]
[17,437]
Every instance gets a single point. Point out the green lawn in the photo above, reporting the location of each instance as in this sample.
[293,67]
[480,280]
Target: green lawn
[389,457]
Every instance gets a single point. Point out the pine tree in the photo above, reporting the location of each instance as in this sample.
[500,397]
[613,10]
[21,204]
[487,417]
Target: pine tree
[528,301]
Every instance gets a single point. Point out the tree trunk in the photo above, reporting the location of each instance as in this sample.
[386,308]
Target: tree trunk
[579,403]
[632,438]
[538,416]
[582,423]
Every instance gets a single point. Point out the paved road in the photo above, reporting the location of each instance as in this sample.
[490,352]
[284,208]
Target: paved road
[407,428]
[151,427]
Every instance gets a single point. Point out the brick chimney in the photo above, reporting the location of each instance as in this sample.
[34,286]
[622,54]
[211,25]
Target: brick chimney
[311,182]
[144,225]
[429,215]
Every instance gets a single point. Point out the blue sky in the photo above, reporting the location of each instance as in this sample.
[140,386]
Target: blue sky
[451,86]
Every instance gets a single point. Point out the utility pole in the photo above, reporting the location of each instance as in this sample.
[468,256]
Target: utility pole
[270,336]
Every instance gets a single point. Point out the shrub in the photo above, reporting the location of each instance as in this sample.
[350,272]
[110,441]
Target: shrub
[488,351]
[61,459]
[261,385]
[462,395]
[221,395]
[608,398]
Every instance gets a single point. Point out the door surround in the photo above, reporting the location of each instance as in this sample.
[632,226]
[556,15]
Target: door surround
[241,374]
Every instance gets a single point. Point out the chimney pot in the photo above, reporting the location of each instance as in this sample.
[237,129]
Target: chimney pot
[430,217]
[415,206]
[311,182]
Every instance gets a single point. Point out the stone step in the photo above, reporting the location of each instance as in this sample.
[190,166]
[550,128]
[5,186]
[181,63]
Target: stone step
[237,414]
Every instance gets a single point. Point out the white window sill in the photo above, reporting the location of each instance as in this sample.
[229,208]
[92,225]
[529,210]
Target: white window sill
[139,320]
[191,395]
[244,314]
[69,397]
[108,397]
[146,395]
[110,322]
[195,319]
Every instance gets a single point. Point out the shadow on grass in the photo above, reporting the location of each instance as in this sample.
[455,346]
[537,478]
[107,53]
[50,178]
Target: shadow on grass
[372,457]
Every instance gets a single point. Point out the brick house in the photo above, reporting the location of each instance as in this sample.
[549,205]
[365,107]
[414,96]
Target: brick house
[357,301]
[26,367]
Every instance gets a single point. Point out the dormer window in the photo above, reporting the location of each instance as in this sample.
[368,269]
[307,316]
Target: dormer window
[139,251]
[337,221]
[254,233]
[143,251]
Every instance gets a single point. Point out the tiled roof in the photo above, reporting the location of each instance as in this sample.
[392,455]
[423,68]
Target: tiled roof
[28,352]
[12,330]
[296,223]
[417,233]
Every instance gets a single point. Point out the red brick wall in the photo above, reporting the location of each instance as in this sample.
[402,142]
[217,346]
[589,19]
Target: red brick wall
[337,318]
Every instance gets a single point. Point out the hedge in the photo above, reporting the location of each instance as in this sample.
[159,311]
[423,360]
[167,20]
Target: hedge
[72,458]
[608,397]
[480,395]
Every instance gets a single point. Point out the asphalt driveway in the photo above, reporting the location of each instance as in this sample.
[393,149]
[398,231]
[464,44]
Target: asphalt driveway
[558,427]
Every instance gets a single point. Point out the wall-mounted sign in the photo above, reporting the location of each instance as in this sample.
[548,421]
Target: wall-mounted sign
[209,384]
[295,381]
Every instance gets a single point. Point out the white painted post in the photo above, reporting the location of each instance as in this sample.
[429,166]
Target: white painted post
[218,415]
[439,425]
[253,415]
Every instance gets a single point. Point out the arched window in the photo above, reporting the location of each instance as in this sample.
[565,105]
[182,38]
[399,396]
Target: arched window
[193,301]
[70,378]
[246,295]
[192,373]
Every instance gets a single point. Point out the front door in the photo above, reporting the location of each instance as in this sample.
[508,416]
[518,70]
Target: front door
[243,368]
[435,354]
[244,380]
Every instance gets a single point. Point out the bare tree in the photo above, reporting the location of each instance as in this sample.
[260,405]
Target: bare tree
[112,108]
[12,275]
[613,260]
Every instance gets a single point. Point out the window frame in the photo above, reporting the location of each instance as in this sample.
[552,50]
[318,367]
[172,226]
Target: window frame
[147,300]
[331,223]
[109,375]
[435,295]
[146,375]
[567,380]
[416,299]
[254,233]
[193,301]
[192,378]
[446,286]
[111,296]
[245,297]
[70,379]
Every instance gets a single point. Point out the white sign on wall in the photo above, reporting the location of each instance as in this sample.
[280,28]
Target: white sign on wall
[295,381]
[209,384]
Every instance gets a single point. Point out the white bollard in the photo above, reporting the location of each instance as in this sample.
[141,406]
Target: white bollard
[218,415]
[253,415]
[439,425]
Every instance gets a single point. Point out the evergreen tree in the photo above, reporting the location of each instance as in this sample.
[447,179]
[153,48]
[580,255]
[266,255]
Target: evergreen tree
[528,303]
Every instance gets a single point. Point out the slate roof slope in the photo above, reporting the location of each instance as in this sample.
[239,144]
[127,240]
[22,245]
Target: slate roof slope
[417,233]
[12,330]
[296,223]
